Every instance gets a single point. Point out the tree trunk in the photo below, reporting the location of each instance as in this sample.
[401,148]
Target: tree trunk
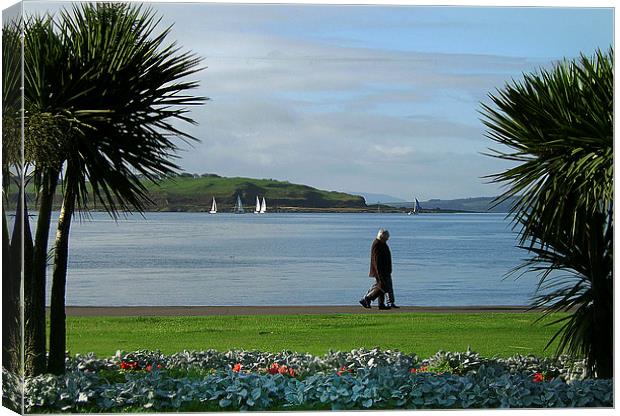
[15,251]
[604,342]
[58,341]
[598,247]
[10,300]
[601,260]
[27,276]
[35,296]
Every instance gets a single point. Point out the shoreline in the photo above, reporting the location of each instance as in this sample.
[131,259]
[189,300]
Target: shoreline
[279,310]
[291,210]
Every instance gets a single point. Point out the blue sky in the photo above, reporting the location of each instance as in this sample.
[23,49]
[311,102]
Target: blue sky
[364,98]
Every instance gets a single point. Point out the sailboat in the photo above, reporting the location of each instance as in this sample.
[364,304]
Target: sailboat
[257,209]
[263,207]
[213,207]
[239,206]
[416,208]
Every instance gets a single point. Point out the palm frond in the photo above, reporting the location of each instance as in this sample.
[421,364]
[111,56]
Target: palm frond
[116,84]
[558,124]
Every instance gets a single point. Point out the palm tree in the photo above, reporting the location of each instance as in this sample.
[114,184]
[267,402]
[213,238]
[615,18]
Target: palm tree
[46,123]
[18,248]
[11,164]
[131,87]
[558,126]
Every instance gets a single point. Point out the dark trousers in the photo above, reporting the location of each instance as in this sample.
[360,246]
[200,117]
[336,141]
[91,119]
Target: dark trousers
[381,287]
[376,292]
[389,289]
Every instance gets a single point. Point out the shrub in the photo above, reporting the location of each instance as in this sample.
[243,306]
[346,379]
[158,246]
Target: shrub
[360,379]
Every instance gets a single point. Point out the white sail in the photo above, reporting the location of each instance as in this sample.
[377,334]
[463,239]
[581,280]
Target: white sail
[213,207]
[263,207]
[257,209]
[239,206]
[416,208]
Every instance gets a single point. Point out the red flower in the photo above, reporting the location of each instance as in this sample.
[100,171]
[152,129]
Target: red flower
[343,370]
[424,368]
[414,370]
[291,372]
[538,377]
[273,369]
[128,365]
[237,367]
[149,367]
[283,370]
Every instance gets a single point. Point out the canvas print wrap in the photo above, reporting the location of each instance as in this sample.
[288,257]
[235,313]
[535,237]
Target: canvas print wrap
[229,207]
[16,244]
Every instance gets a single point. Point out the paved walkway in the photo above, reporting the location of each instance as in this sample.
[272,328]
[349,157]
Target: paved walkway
[274,310]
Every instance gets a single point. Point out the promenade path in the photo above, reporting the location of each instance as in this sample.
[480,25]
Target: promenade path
[276,310]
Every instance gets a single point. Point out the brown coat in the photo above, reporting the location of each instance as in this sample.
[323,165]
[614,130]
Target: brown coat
[380,260]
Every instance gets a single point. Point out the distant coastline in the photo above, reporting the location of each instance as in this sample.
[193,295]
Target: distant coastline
[362,210]
[195,193]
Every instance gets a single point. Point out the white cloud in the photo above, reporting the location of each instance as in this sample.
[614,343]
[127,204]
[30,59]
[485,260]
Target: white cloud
[325,116]
[393,151]
[295,97]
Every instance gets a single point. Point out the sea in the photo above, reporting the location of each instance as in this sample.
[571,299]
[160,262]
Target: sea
[191,259]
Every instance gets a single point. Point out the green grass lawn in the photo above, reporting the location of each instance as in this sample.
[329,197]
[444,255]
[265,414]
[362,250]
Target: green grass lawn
[490,334]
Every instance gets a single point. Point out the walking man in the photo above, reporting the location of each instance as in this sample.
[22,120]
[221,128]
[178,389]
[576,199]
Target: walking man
[381,270]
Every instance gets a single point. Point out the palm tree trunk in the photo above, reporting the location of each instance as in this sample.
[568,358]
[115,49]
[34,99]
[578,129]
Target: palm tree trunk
[10,301]
[35,295]
[58,341]
[15,250]
[603,348]
[603,301]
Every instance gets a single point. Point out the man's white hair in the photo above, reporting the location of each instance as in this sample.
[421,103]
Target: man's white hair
[382,233]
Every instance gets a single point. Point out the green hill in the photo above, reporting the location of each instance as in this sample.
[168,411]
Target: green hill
[187,192]
[192,193]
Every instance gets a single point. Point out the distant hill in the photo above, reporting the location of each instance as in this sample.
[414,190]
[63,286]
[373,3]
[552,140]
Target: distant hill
[479,204]
[194,193]
[191,192]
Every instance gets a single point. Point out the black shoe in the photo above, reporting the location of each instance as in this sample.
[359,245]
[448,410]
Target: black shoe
[364,302]
[394,306]
[384,307]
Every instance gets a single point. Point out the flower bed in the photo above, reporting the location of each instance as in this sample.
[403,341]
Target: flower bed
[360,379]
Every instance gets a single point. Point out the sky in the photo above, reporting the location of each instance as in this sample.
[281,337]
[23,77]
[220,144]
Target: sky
[377,99]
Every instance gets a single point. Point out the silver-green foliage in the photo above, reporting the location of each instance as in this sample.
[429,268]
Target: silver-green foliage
[12,390]
[564,367]
[375,379]
[368,388]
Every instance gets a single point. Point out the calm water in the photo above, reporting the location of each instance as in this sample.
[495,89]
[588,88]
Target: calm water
[291,259]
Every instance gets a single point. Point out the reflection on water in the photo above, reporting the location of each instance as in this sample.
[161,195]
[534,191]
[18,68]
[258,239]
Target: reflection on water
[291,259]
